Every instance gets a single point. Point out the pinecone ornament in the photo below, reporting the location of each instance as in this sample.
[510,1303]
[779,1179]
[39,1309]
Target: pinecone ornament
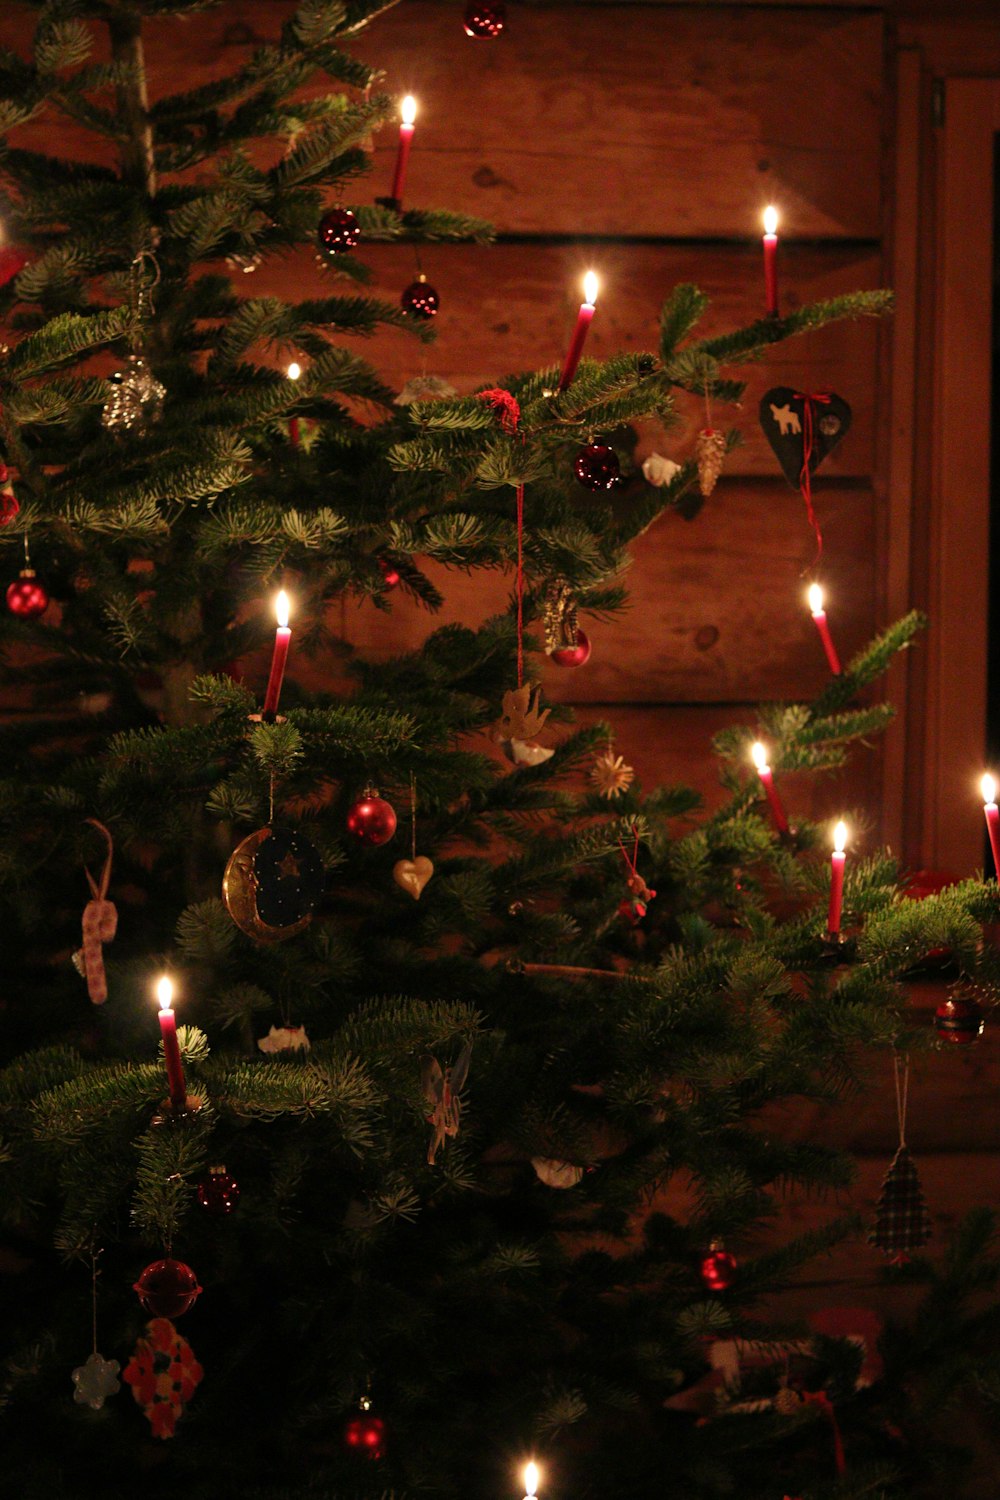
[902,1222]
[710,450]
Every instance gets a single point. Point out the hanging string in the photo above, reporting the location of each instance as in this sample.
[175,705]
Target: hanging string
[631,862]
[509,413]
[901,1073]
[94,1257]
[413,815]
[808,399]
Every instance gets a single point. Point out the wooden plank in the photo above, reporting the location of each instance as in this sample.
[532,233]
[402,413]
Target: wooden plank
[717,610]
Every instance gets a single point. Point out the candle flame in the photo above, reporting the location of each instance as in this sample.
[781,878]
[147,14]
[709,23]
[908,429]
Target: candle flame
[815,597]
[531,1480]
[840,837]
[759,754]
[164,992]
[408,110]
[770,219]
[281,610]
[590,286]
[988,787]
[294,370]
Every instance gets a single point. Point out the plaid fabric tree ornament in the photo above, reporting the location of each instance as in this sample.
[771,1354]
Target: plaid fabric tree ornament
[902,1222]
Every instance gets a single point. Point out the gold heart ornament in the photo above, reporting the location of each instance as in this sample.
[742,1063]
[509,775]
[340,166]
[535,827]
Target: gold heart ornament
[413,874]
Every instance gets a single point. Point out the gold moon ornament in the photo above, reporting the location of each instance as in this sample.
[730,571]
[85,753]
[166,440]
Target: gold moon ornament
[273,884]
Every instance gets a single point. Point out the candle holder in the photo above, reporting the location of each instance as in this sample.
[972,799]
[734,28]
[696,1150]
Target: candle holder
[835,951]
[388,201]
[171,1115]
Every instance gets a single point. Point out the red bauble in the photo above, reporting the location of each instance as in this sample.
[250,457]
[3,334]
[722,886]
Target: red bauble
[338,231]
[388,573]
[959,1020]
[597,467]
[219,1192]
[27,597]
[167,1288]
[364,1433]
[573,656]
[717,1269]
[372,820]
[484,17]
[420,299]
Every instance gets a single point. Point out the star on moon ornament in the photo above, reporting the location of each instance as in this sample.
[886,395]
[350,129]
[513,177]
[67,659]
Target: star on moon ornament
[273,884]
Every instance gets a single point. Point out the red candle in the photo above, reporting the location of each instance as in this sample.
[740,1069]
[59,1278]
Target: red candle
[293,372]
[837,861]
[531,1477]
[771,261]
[989,790]
[171,1051]
[819,615]
[282,640]
[584,319]
[408,113]
[767,782]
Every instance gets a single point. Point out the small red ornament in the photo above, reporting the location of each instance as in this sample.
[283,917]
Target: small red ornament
[219,1192]
[12,261]
[597,467]
[27,597]
[420,299]
[484,18]
[364,1432]
[389,573]
[573,656]
[959,1020]
[717,1269]
[338,231]
[371,819]
[167,1288]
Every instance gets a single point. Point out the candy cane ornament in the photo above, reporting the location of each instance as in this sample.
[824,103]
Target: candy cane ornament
[100,923]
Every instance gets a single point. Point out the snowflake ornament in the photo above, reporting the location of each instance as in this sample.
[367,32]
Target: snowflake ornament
[610,775]
[95,1380]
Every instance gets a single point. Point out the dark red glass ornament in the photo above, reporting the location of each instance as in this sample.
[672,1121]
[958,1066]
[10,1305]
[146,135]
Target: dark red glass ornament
[484,18]
[364,1433]
[597,467]
[388,573]
[573,656]
[420,299]
[219,1192]
[959,1020]
[717,1269]
[27,597]
[167,1288]
[371,819]
[338,231]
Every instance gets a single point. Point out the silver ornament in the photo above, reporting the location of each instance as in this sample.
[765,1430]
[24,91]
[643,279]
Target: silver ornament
[137,398]
[96,1380]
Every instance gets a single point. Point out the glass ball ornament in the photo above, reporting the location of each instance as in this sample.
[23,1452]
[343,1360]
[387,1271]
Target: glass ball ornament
[167,1288]
[420,299]
[219,1192]
[338,231]
[597,467]
[959,1020]
[26,597]
[364,1432]
[573,656]
[484,18]
[372,820]
[717,1269]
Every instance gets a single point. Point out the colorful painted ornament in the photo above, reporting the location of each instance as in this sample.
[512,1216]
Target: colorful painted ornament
[164,1375]
[420,299]
[167,1288]
[371,820]
[26,596]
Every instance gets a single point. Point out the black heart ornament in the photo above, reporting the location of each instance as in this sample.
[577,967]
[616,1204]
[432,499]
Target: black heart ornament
[787,422]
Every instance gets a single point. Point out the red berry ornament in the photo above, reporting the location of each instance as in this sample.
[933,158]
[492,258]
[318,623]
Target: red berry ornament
[484,18]
[388,573]
[420,299]
[26,597]
[959,1020]
[372,820]
[717,1269]
[364,1433]
[167,1288]
[219,1192]
[338,231]
[573,656]
[597,467]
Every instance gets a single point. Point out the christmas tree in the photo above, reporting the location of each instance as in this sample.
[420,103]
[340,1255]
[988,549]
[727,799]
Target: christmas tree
[453,1159]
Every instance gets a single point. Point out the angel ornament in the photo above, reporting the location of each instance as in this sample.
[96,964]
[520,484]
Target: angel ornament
[441,1088]
[521,718]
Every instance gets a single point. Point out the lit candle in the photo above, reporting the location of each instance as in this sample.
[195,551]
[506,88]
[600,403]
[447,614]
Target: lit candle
[767,782]
[171,1051]
[771,260]
[282,639]
[408,113]
[583,321]
[293,372]
[989,790]
[819,615]
[531,1481]
[837,861]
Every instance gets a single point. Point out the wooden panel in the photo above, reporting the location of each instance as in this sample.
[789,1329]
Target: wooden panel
[717,610]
